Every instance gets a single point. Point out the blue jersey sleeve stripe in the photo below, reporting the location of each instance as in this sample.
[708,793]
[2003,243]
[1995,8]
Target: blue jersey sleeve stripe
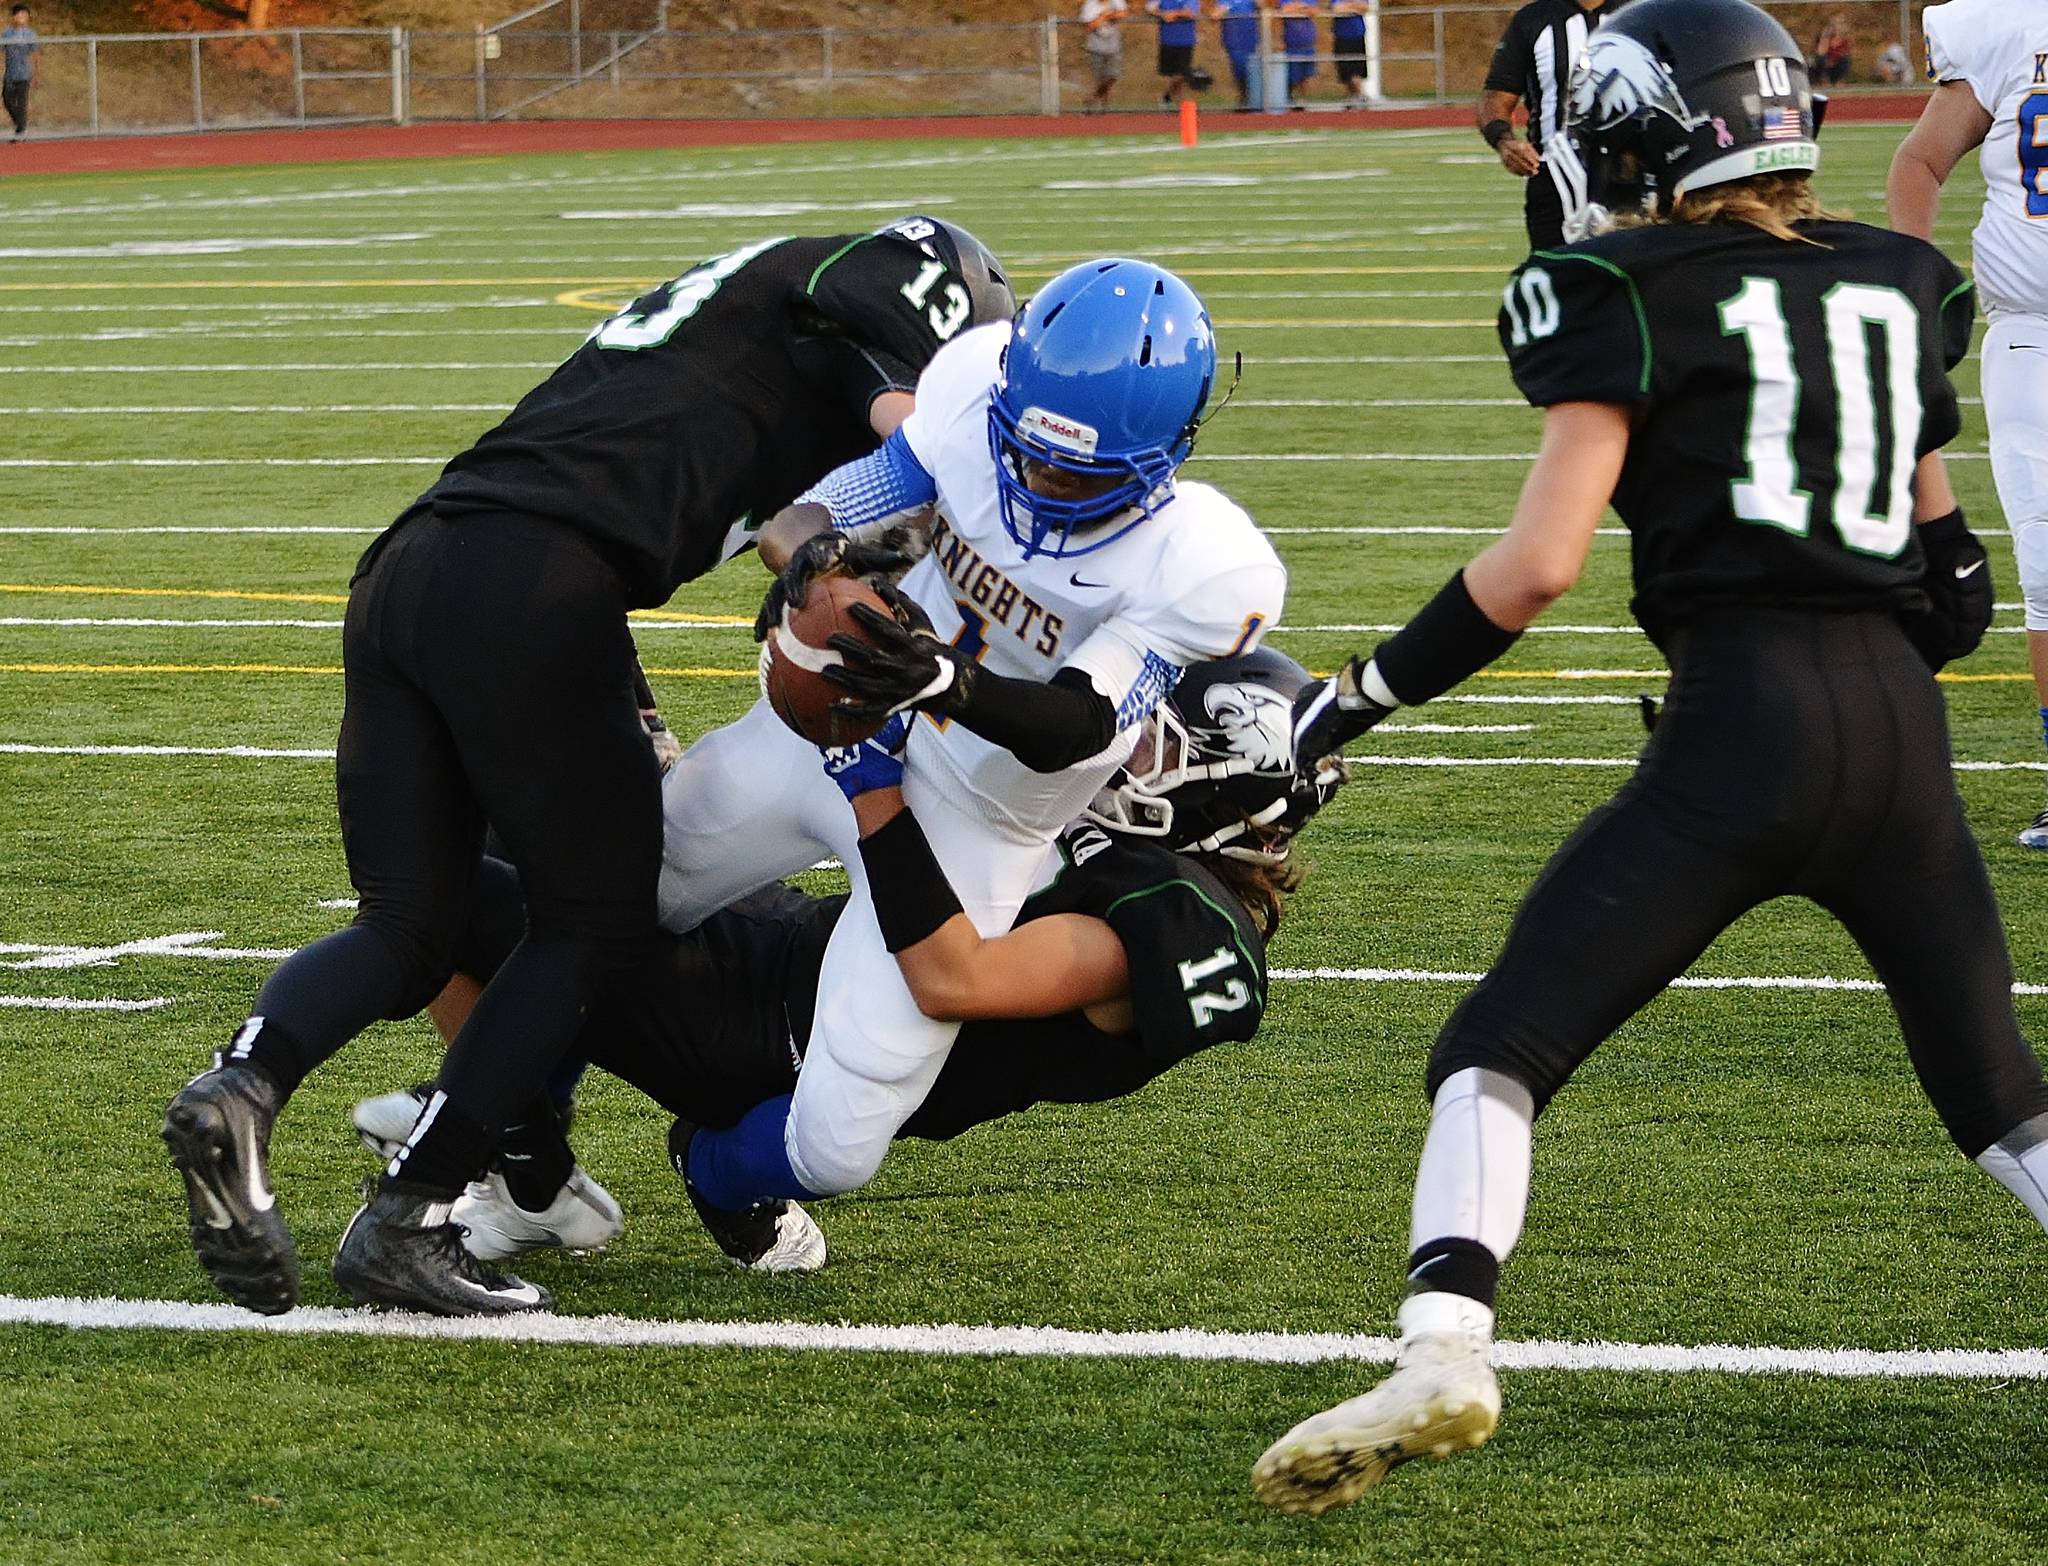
[1154,681]
[883,485]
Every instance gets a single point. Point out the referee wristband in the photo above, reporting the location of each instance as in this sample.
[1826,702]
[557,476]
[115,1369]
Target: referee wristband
[1496,132]
[911,894]
[1447,642]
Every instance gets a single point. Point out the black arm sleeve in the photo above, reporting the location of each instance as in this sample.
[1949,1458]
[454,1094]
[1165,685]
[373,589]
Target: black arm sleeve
[851,373]
[1047,726]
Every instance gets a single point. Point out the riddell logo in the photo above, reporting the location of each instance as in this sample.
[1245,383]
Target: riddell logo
[1057,430]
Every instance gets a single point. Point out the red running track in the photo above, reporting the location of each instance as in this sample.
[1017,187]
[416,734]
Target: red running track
[467,139]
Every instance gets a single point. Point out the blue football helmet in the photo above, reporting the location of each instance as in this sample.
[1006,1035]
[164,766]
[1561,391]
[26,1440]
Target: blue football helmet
[1106,375]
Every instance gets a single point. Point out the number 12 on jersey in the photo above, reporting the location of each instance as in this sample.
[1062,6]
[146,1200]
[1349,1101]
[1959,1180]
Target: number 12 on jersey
[1871,512]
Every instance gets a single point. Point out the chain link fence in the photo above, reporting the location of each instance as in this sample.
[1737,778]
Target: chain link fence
[585,59]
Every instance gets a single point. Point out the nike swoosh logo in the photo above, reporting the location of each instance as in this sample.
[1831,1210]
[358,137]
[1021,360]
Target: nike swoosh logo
[1969,570]
[1075,578]
[1419,1271]
[2035,346]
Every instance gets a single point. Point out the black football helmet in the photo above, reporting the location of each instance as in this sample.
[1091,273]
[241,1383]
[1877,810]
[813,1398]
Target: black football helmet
[989,295]
[1213,772]
[1673,96]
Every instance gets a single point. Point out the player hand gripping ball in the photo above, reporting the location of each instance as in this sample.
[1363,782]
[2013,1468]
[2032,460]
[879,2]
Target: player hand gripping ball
[903,667]
[874,763]
[830,554]
[1329,714]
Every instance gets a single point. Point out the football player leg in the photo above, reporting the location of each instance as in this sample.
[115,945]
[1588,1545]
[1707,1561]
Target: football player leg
[754,782]
[410,833]
[2015,357]
[1926,918]
[1598,937]
[872,1053]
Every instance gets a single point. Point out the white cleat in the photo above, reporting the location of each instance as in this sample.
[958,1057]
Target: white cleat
[2036,836]
[799,1244]
[1442,1398]
[582,1217]
[385,1121]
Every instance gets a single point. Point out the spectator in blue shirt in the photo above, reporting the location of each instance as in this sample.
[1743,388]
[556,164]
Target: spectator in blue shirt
[1298,39]
[1176,46]
[1240,19]
[1347,43]
[19,41]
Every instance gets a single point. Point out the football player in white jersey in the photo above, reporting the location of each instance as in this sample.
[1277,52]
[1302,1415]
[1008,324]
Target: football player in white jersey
[1070,577]
[1990,59]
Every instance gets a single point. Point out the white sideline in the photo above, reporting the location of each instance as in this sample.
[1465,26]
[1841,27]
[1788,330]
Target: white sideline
[1179,1343]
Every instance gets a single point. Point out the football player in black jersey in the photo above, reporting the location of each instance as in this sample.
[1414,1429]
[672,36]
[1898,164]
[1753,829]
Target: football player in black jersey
[490,676]
[1760,391]
[1146,946]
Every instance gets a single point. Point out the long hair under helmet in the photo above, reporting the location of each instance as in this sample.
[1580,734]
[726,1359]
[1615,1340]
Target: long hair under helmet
[1673,96]
[1213,771]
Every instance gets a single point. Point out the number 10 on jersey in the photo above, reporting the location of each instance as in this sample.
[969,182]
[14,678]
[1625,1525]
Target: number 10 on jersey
[1871,512]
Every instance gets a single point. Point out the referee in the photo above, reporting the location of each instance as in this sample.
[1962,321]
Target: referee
[1532,65]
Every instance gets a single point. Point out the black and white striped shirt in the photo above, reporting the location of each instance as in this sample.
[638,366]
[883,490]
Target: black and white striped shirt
[1535,56]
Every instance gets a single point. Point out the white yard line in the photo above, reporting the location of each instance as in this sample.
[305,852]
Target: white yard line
[240,752]
[1180,1343]
[65,1003]
[197,945]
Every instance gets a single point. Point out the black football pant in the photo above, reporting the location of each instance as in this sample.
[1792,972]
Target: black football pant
[490,676]
[1543,211]
[1798,755]
[14,97]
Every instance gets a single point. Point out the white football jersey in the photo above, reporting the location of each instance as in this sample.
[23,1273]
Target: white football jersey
[1196,580]
[2000,47]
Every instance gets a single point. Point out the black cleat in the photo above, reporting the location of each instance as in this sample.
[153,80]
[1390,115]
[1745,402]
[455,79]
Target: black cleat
[772,1236]
[401,1249]
[218,1131]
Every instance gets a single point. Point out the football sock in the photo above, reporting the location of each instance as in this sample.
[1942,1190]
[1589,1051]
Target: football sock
[1472,1186]
[448,1148]
[536,1157]
[2019,1162]
[272,1050]
[1463,1267]
[734,1169]
[2044,725]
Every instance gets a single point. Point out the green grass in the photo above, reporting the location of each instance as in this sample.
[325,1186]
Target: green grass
[1740,1168]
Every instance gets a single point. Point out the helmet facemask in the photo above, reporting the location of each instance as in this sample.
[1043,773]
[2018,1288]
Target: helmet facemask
[1222,782]
[1625,123]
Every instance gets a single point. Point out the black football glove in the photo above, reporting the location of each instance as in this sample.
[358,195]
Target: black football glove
[1959,592]
[1330,714]
[899,669]
[829,554]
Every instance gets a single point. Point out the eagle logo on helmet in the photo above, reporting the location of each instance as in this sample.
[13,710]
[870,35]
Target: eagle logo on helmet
[1618,78]
[1252,722]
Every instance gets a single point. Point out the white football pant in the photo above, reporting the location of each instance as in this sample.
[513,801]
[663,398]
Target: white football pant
[2015,379]
[750,803]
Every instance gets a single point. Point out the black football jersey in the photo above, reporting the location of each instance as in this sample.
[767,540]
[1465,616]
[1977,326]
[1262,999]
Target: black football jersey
[692,416]
[1784,391]
[1198,977]
[717,1021]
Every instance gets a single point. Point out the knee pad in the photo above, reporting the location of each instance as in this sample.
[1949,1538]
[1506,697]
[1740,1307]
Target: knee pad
[835,1168]
[2030,550]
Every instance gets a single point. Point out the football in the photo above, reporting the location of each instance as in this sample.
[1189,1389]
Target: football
[795,658]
